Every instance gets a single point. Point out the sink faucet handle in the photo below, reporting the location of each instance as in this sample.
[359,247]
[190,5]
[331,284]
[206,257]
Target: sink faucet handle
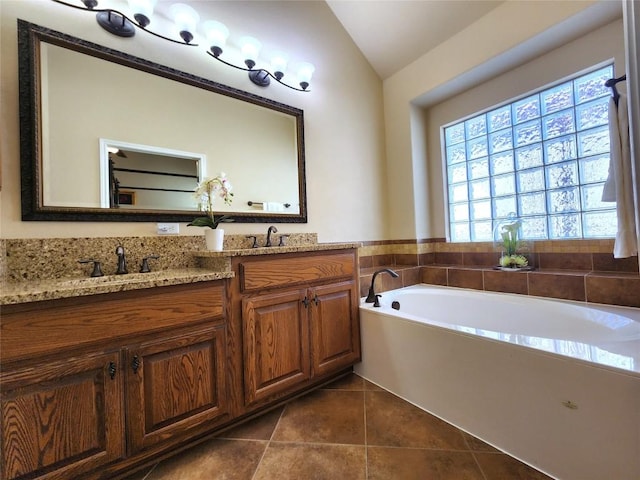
[97,269]
[283,239]
[144,268]
[255,240]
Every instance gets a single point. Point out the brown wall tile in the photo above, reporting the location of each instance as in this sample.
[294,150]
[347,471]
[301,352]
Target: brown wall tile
[434,275]
[448,258]
[480,259]
[465,278]
[566,286]
[366,261]
[365,282]
[604,262]
[382,260]
[406,259]
[385,282]
[507,282]
[614,289]
[427,258]
[565,261]
[410,276]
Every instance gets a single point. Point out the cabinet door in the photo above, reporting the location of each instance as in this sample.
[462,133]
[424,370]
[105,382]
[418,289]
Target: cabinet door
[62,419]
[335,330]
[276,343]
[176,386]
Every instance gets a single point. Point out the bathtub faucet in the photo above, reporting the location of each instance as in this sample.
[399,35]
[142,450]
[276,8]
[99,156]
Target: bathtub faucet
[371,297]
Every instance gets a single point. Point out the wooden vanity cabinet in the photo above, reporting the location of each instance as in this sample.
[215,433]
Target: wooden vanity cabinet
[299,320]
[93,385]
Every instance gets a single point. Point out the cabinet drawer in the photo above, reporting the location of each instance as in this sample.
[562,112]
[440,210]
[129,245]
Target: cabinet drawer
[278,272]
[61,324]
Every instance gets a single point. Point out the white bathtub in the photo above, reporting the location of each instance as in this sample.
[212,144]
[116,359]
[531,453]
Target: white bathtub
[554,384]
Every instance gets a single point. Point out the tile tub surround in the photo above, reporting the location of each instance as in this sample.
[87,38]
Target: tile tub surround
[580,270]
[349,429]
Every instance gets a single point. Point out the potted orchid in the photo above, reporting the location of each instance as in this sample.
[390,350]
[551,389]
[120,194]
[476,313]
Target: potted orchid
[206,192]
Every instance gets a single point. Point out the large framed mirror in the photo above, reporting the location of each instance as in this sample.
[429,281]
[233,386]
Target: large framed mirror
[106,136]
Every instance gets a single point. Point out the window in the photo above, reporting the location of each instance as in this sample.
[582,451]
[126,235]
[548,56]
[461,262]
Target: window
[544,157]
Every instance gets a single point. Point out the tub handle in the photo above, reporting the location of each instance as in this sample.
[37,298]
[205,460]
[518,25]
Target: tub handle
[376,303]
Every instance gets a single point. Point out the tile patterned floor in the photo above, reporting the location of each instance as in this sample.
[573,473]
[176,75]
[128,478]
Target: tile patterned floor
[349,430]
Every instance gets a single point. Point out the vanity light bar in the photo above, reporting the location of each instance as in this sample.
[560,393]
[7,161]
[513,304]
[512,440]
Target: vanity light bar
[186,19]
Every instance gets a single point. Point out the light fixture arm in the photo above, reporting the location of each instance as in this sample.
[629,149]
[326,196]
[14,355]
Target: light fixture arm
[117,23]
[260,73]
[125,21]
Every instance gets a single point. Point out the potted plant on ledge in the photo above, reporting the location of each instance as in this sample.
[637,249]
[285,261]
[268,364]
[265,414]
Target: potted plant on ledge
[205,194]
[511,259]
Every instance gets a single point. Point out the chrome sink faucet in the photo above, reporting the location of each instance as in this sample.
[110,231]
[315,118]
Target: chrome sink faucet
[271,230]
[122,261]
[371,297]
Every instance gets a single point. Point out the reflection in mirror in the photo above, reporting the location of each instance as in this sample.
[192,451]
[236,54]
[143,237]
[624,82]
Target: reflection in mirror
[74,93]
[145,177]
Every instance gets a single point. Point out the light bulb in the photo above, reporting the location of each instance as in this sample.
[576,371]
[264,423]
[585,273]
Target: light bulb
[250,48]
[279,64]
[217,34]
[305,71]
[186,20]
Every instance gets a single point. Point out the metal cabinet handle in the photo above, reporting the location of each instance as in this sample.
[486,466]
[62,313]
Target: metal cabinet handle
[305,302]
[112,370]
[316,300]
[135,363]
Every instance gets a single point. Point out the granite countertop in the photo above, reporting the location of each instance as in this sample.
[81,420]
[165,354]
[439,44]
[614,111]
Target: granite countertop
[317,247]
[15,292]
[51,289]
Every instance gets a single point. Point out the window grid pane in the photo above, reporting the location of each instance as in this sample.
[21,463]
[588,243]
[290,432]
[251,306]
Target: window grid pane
[544,157]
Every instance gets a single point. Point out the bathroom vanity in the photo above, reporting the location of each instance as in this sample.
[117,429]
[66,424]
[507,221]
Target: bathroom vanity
[96,385]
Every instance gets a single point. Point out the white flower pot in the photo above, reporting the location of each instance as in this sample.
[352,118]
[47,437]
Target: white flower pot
[214,238]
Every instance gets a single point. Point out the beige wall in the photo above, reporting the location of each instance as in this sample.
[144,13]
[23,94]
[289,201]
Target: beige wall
[370,169]
[343,113]
[513,33]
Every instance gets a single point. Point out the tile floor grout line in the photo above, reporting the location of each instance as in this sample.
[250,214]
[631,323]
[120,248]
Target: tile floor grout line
[150,471]
[475,459]
[366,443]
[268,443]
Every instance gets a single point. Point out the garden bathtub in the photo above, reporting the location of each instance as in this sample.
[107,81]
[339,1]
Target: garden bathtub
[555,384]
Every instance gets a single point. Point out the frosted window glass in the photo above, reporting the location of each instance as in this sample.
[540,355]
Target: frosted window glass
[501,163]
[481,231]
[544,157]
[600,223]
[477,148]
[500,141]
[481,210]
[527,133]
[526,109]
[475,127]
[559,124]
[499,118]
[457,173]
[562,175]
[533,203]
[594,169]
[560,149]
[593,142]
[480,189]
[528,157]
[564,200]
[531,180]
[565,226]
[503,206]
[593,114]
[557,98]
[454,134]
[504,185]
[479,168]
